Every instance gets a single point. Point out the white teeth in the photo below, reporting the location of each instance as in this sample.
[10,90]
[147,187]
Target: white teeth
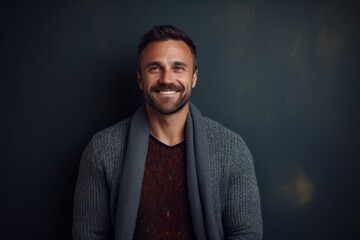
[167,92]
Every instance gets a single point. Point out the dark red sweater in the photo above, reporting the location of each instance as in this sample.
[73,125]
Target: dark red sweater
[164,209]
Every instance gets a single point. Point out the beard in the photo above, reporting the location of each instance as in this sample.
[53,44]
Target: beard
[167,105]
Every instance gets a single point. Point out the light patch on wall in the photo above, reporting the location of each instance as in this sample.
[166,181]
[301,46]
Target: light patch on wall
[238,14]
[301,91]
[335,30]
[331,40]
[298,191]
[235,50]
[235,17]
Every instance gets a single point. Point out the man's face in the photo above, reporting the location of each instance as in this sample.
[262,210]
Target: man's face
[167,75]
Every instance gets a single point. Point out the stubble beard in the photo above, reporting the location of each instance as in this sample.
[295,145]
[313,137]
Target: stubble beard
[167,107]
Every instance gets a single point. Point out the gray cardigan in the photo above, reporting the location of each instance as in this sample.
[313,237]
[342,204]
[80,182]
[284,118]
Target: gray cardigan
[222,188]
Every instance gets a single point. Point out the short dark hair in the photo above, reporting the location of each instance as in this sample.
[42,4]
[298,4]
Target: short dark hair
[162,33]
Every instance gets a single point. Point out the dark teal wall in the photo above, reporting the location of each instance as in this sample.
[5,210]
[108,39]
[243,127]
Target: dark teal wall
[283,75]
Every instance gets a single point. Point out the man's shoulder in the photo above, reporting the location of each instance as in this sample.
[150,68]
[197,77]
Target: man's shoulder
[225,142]
[221,137]
[113,134]
[216,130]
[106,147]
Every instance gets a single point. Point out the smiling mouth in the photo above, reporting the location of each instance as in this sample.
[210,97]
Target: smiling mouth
[167,92]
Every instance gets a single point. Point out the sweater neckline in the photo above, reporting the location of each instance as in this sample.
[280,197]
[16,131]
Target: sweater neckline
[151,137]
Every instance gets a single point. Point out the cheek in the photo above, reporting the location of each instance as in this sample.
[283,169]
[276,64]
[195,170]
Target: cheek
[147,84]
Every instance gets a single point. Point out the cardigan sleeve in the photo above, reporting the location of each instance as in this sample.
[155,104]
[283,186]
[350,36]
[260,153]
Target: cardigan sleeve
[242,214]
[91,220]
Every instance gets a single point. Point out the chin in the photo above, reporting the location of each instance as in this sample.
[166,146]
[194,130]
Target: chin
[168,110]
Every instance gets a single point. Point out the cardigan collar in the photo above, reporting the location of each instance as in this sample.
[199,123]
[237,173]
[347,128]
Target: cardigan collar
[197,169]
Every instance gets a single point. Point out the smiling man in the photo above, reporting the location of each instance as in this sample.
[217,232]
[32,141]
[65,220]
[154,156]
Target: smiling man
[168,172]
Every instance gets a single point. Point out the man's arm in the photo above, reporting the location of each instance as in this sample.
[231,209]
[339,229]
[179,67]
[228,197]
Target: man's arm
[91,220]
[242,215]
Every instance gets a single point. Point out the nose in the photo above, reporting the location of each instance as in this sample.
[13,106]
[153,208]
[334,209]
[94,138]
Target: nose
[166,76]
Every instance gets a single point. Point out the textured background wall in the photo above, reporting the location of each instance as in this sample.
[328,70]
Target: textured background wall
[283,75]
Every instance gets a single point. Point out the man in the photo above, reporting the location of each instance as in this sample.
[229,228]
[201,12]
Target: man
[167,172]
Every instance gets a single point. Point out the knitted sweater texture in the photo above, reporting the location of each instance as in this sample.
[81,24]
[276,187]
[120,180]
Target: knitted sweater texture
[164,209]
[222,187]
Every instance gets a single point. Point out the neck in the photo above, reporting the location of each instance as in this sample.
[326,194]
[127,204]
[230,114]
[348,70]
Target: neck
[168,128]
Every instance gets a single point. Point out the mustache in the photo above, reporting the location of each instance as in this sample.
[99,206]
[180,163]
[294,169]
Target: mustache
[166,87]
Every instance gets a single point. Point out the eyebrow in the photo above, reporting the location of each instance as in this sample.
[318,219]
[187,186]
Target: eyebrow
[157,63]
[177,63]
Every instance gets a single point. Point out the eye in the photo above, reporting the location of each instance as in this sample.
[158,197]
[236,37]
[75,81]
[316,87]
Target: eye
[179,68]
[154,69]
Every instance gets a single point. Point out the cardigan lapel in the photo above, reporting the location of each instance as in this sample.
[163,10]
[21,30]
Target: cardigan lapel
[132,175]
[198,177]
[196,209]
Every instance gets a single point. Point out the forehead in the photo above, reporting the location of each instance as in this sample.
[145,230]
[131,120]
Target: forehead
[169,50]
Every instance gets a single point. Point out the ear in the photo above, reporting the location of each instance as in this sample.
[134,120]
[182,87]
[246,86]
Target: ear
[194,78]
[139,80]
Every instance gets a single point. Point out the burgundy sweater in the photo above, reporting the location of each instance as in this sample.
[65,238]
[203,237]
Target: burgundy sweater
[164,210]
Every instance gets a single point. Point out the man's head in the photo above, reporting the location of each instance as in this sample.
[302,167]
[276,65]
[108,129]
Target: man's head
[167,68]
[163,33]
